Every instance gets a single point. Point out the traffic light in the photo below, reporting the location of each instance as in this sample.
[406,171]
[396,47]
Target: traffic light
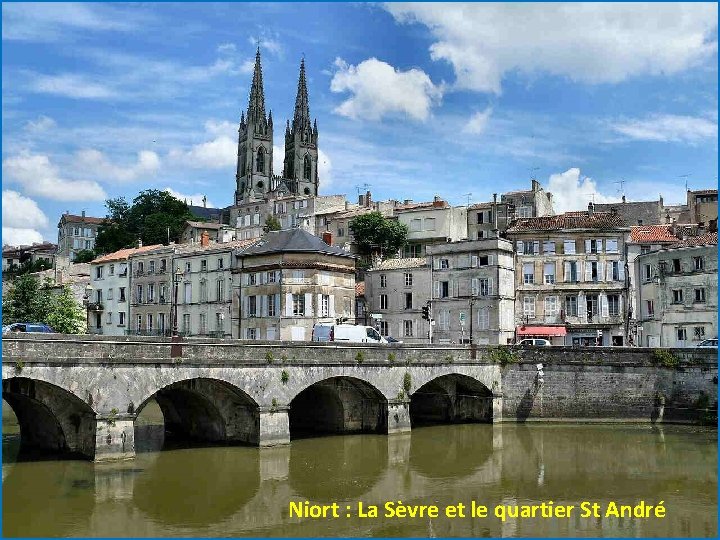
[426,313]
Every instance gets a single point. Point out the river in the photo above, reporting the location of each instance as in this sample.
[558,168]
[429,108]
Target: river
[242,491]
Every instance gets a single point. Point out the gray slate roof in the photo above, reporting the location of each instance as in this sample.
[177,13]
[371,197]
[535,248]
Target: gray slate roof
[293,240]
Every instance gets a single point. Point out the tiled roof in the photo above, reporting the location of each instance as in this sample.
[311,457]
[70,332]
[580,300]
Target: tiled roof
[707,239]
[652,234]
[360,288]
[82,219]
[483,205]
[705,192]
[293,241]
[569,220]
[421,206]
[397,264]
[204,224]
[123,254]
[184,249]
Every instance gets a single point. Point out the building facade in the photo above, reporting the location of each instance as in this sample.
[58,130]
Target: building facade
[150,291]
[13,257]
[75,233]
[430,223]
[570,278]
[677,293]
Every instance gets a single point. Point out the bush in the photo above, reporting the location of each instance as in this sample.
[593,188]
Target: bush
[284,377]
[665,358]
[407,382]
[360,357]
[504,356]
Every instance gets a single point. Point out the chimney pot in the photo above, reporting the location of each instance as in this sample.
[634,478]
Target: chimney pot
[327,238]
[623,198]
[204,239]
[83,213]
[591,208]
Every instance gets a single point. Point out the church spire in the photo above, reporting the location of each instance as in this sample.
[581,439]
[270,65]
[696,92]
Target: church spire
[301,119]
[256,106]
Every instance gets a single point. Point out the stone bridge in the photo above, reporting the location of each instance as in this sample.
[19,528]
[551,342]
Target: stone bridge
[82,394]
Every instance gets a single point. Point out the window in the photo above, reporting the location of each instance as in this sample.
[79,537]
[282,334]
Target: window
[252,306]
[700,296]
[203,265]
[615,270]
[699,333]
[485,287]
[569,247]
[110,294]
[219,319]
[271,276]
[298,302]
[151,292]
[407,328]
[529,306]
[444,264]
[650,307]
[677,296]
[593,270]
[593,246]
[613,305]
[99,296]
[188,267]
[152,267]
[187,292]
[552,307]
[408,301]
[681,334]
[383,301]
[592,306]
[524,212]
[408,280]
[186,323]
[98,272]
[444,289]
[325,305]
[161,322]
[139,323]
[341,231]
[307,168]
[383,281]
[220,263]
[530,247]
[413,251]
[429,224]
[203,324]
[220,290]
[644,250]
[260,160]
[611,245]
[273,301]
[647,272]
[384,328]
[699,263]
[252,279]
[571,306]
[677,267]
[121,290]
[139,294]
[528,273]
[484,318]
[108,318]
[571,273]
[415,225]
[549,273]
[483,260]
[121,318]
[163,266]
[150,322]
[111,270]
[548,246]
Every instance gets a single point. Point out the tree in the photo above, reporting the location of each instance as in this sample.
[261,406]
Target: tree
[25,301]
[152,214]
[28,267]
[271,224]
[65,315]
[84,256]
[375,234]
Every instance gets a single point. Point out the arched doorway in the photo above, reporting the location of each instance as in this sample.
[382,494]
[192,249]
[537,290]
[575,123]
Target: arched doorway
[451,399]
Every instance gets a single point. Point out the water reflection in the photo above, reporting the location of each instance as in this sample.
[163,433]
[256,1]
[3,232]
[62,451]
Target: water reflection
[434,455]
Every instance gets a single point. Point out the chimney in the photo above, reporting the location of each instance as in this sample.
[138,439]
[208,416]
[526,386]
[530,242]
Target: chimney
[83,213]
[204,239]
[673,227]
[139,243]
[407,201]
[327,238]
[494,213]
[368,199]
[536,185]
[591,208]
[361,200]
[623,199]
[437,198]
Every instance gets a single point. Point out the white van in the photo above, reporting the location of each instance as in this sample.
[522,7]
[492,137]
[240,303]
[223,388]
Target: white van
[346,332]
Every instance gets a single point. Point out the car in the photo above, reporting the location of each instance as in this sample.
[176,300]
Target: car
[708,343]
[533,342]
[346,332]
[27,327]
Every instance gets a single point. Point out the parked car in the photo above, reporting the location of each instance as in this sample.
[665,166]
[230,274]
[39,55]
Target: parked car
[346,332]
[708,343]
[390,339]
[533,342]
[27,327]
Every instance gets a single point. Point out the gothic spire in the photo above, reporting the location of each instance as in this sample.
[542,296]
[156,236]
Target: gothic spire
[256,106]
[301,119]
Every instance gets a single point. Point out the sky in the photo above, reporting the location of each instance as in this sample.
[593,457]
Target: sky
[103,100]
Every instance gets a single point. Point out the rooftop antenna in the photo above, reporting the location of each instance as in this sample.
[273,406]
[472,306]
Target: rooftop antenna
[363,187]
[532,170]
[622,186]
[685,176]
[468,195]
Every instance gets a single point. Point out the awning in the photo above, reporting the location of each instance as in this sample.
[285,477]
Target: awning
[541,331]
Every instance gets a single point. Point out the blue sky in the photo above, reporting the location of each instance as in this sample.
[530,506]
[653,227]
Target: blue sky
[413,100]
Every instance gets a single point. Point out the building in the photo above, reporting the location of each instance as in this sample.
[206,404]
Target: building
[430,223]
[217,232]
[287,282]
[75,233]
[473,293]
[13,257]
[677,292]
[703,207]
[108,305]
[637,212]
[570,278]
[396,290]
[150,291]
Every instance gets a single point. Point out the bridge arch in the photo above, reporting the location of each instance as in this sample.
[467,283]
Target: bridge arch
[339,404]
[52,419]
[453,398]
[206,410]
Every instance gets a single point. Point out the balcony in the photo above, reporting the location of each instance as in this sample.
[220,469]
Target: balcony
[95,306]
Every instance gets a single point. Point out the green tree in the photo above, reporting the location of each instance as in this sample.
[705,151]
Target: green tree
[25,301]
[29,267]
[374,234]
[271,224]
[84,256]
[65,315]
[152,214]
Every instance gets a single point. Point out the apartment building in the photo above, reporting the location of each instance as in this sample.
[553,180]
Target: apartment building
[570,278]
[677,292]
[150,291]
[109,300]
[13,257]
[287,282]
[75,233]
[430,223]
[473,291]
[395,292]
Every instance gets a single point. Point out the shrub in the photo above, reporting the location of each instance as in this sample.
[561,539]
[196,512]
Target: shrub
[391,357]
[360,357]
[665,358]
[284,376]
[269,357]
[504,356]
[407,382]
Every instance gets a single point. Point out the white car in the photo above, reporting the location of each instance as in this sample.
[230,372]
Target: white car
[708,343]
[346,332]
[532,342]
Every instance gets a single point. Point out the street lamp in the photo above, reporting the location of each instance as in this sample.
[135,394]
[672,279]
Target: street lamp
[86,303]
[472,303]
[176,283]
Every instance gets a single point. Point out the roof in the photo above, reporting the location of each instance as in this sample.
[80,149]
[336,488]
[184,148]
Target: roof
[123,254]
[360,288]
[570,220]
[205,213]
[41,246]
[398,264]
[203,224]
[184,249]
[82,219]
[705,192]
[295,241]
[421,206]
[652,234]
[707,239]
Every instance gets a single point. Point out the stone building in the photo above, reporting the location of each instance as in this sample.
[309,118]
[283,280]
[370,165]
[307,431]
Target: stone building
[638,213]
[109,311]
[286,282]
[473,293]
[75,233]
[434,222]
[395,292]
[15,256]
[150,291]
[570,278]
[217,232]
[677,292]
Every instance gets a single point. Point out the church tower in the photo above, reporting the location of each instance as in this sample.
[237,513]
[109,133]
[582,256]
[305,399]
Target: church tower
[255,144]
[301,150]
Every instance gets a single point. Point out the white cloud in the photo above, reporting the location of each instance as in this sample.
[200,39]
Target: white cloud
[96,163]
[247,66]
[478,122]
[378,89]
[217,153]
[226,48]
[21,212]
[278,158]
[40,177]
[668,128]
[72,86]
[194,198]
[587,42]
[14,236]
[324,170]
[571,191]
[267,44]
[41,125]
